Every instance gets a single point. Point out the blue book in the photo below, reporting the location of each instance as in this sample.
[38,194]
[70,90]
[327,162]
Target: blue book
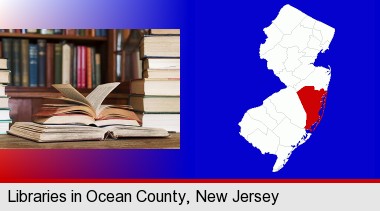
[33,65]
[41,62]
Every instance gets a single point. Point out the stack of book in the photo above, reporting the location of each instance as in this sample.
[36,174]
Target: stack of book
[42,63]
[156,97]
[5,119]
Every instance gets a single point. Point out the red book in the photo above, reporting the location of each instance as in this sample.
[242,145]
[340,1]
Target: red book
[89,67]
[79,67]
[50,64]
[84,65]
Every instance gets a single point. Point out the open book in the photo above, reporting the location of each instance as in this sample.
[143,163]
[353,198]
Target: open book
[55,133]
[86,110]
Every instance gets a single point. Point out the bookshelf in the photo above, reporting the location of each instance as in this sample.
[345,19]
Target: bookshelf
[25,101]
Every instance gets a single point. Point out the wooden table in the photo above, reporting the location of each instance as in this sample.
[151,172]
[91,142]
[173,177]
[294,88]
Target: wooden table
[172,142]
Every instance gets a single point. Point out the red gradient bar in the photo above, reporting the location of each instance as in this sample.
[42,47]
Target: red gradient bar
[10,180]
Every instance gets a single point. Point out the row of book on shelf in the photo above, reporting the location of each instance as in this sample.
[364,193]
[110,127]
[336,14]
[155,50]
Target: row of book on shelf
[71,32]
[5,119]
[156,97]
[42,64]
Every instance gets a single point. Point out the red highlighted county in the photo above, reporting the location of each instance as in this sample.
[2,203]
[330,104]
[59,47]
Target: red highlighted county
[313,101]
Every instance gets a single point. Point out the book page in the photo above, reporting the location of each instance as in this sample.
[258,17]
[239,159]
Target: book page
[97,96]
[70,92]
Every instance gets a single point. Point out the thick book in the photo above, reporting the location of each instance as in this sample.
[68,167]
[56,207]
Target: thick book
[25,62]
[157,63]
[4,126]
[50,78]
[58,63]
[56,133]
[155,104]
[5,114]
[161,73]
[160,46]
[2,90]
[147,86]
[4,102]
[86,110]
[41,62]
[5,76]
[66,63]
[33,65]
[3,63]
[164,31]
[169,122]
[16,56]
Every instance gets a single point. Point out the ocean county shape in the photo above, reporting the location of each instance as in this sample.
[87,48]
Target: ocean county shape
[294,41]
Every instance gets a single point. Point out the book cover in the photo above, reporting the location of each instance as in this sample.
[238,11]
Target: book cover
[41,62]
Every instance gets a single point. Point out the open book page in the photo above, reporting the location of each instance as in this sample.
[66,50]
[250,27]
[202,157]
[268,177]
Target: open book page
[97,96]
[69,91]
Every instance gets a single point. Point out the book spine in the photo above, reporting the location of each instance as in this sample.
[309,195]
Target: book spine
[57,31]
[84,68]
[41,62]
[89,67]
[50,64]
[75,66]
[93,74]
[98,69]
[33,65]
[66,63]
[25,62]
[1,51]
[16,71]
[58,63]
[79,67]
[7,51]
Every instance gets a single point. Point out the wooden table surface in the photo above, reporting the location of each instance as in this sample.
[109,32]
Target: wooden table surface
[172,142]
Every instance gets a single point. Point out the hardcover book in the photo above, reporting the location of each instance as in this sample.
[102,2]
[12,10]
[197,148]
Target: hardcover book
[55,133]
[3,63]
[41,62]
[149,86]
[33,65]
[160,46]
